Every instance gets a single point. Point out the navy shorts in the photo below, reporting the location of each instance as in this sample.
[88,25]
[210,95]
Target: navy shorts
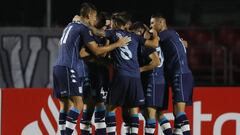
[66,82]
[95,86]
[155,92]
[91,92]
[182,87]
[125,91]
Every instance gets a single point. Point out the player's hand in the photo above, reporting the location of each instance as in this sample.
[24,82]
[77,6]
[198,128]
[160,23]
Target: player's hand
[147,35]
[146,27]
[76,18]
[124,41]
[184,42]
[154,32]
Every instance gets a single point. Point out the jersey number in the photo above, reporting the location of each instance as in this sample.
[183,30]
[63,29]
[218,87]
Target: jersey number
[160,55]
[65,34]
[124,51]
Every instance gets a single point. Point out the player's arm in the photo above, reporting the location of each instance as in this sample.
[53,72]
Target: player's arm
[153,43]
[76,18]
[83,53]
[155,61]
[95,31]
[96,50]
[106,44]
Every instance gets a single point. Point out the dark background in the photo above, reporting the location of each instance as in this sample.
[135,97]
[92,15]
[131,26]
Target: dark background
[178,12]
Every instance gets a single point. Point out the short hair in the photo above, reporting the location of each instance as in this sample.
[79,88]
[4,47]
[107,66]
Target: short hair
[157,15]
[101,19]
[137,25]
[86,8]
[121,18]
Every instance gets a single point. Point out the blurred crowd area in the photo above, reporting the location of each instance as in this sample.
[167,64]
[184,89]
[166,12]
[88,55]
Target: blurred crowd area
[213,54]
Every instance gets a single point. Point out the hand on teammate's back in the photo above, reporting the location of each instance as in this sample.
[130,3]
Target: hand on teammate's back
[124,41]
[185,43]
[76,18]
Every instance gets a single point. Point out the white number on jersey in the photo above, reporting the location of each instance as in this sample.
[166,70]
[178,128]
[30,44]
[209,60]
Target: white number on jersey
[125,51]
[160,55]
[65,34]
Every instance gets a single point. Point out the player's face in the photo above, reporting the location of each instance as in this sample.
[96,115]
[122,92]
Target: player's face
[139,31]
[156,24]
[128,25]
[92,18]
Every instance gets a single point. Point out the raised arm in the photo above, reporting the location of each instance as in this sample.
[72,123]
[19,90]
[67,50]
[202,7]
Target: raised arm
[95,31]
[153,43]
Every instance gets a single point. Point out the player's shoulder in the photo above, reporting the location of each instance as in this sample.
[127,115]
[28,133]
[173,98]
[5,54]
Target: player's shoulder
[166,34]
[79,25]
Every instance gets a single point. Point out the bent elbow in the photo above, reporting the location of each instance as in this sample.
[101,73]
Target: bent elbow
[157,63]
[155,44]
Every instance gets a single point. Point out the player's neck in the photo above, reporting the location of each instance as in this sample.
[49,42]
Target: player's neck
[164,28]
[84,20]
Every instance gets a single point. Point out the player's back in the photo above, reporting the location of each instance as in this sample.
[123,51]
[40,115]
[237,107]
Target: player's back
[174,52]
[70,44]
[125,58]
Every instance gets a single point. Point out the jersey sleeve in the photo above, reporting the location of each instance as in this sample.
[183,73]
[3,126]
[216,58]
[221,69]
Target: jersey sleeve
[87,36]
[111,35]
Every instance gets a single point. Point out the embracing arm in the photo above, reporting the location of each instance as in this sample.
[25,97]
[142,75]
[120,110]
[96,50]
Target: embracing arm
[153,64]
[93,46]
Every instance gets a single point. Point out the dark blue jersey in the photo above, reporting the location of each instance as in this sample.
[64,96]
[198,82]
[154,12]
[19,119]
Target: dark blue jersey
[74,37]
[174,52]
[145,59]
[125,58]
[98,69]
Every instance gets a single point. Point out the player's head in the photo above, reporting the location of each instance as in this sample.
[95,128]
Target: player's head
[119,20]
[158,22]
[108,20]
[138,28]
[129,21]
[89,12]
[102,21]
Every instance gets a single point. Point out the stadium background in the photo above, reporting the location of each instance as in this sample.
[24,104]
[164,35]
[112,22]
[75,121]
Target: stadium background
[30,31]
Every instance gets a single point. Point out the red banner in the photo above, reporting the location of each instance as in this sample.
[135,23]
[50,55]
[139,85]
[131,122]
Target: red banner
[215,111]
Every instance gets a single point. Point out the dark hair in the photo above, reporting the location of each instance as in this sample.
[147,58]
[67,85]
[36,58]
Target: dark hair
[101,20]
[157,15]
[137,25]
[86,8]
[121,18]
